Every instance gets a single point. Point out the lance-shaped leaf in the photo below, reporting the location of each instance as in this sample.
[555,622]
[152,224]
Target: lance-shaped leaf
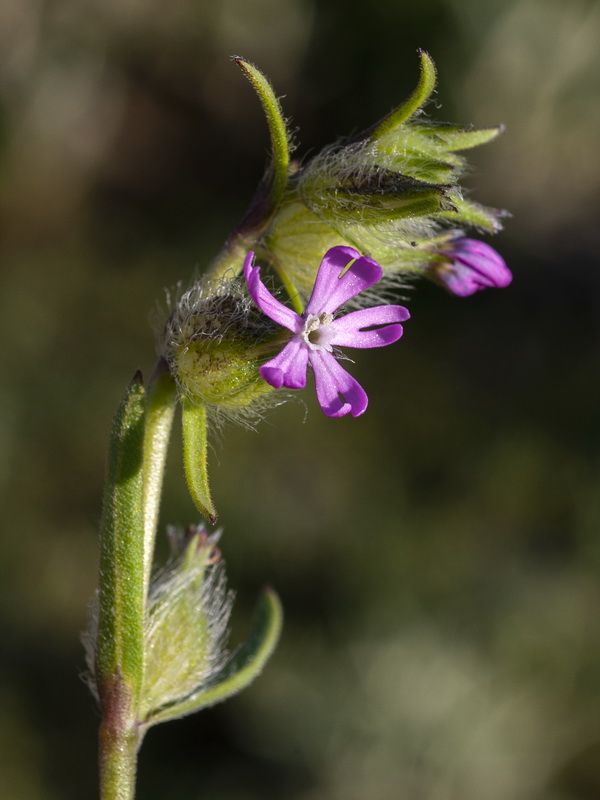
[195,456]
[160,410]
[119,650]
[277,174]
[417,99]
[271,189]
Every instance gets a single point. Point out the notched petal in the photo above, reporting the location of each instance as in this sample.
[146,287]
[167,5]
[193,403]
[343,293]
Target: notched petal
[337,391]
[337,282]
[263,298]
[369,327]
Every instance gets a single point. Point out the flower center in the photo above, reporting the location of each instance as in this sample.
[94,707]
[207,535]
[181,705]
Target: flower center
[314,333]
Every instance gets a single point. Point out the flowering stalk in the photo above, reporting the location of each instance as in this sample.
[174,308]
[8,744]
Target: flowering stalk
[367,213]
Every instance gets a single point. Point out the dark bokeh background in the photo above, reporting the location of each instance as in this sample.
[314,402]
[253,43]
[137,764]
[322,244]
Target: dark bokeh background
[439,558]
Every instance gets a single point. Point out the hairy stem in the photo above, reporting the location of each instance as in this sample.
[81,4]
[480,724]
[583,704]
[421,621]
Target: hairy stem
[119,741]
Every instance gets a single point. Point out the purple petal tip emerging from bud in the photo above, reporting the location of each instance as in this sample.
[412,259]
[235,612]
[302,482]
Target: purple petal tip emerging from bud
[471,265]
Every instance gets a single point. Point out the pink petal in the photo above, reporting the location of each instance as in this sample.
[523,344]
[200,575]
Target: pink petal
[268,304]
[474,266]
[349,330]
[288,368]
[331,381]
[330,291]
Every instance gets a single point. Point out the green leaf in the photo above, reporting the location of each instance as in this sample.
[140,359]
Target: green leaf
[120,645]
[280,155]
[245,665]
[195,457]
[160,410]
[421,94]
[271,190]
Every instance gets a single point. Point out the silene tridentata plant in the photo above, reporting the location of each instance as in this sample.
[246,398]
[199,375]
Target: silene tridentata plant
[338,235]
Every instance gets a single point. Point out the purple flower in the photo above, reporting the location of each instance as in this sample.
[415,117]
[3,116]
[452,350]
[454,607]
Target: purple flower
[343,274]
[470,265]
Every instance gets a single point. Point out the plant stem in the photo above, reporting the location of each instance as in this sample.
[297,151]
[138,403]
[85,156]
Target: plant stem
[119,740]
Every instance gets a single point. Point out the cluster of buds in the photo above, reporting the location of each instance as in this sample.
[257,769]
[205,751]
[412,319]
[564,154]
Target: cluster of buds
[392,193]
[381,209]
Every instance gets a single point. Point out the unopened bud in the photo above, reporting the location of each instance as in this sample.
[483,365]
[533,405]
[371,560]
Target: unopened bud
[465,266]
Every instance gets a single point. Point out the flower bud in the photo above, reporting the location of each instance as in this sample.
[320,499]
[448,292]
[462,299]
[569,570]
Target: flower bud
[214,342]
[188,613]
[464,266]
[187,663]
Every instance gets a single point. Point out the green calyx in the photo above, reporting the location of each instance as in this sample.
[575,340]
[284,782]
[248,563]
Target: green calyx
[214,343]
[392,190]
[221,374]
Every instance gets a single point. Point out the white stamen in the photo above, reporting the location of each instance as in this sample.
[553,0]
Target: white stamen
[314,333]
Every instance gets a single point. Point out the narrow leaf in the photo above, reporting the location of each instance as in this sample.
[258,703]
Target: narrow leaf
[195,457]
[161,402]
[280,155]
[270,191]
[421,94]
[120,649]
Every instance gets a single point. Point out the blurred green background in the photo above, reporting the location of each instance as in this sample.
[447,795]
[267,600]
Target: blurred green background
[439,558]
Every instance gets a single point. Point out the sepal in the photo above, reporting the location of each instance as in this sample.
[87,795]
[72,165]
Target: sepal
[456,137]
[342,186]
[474,214]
